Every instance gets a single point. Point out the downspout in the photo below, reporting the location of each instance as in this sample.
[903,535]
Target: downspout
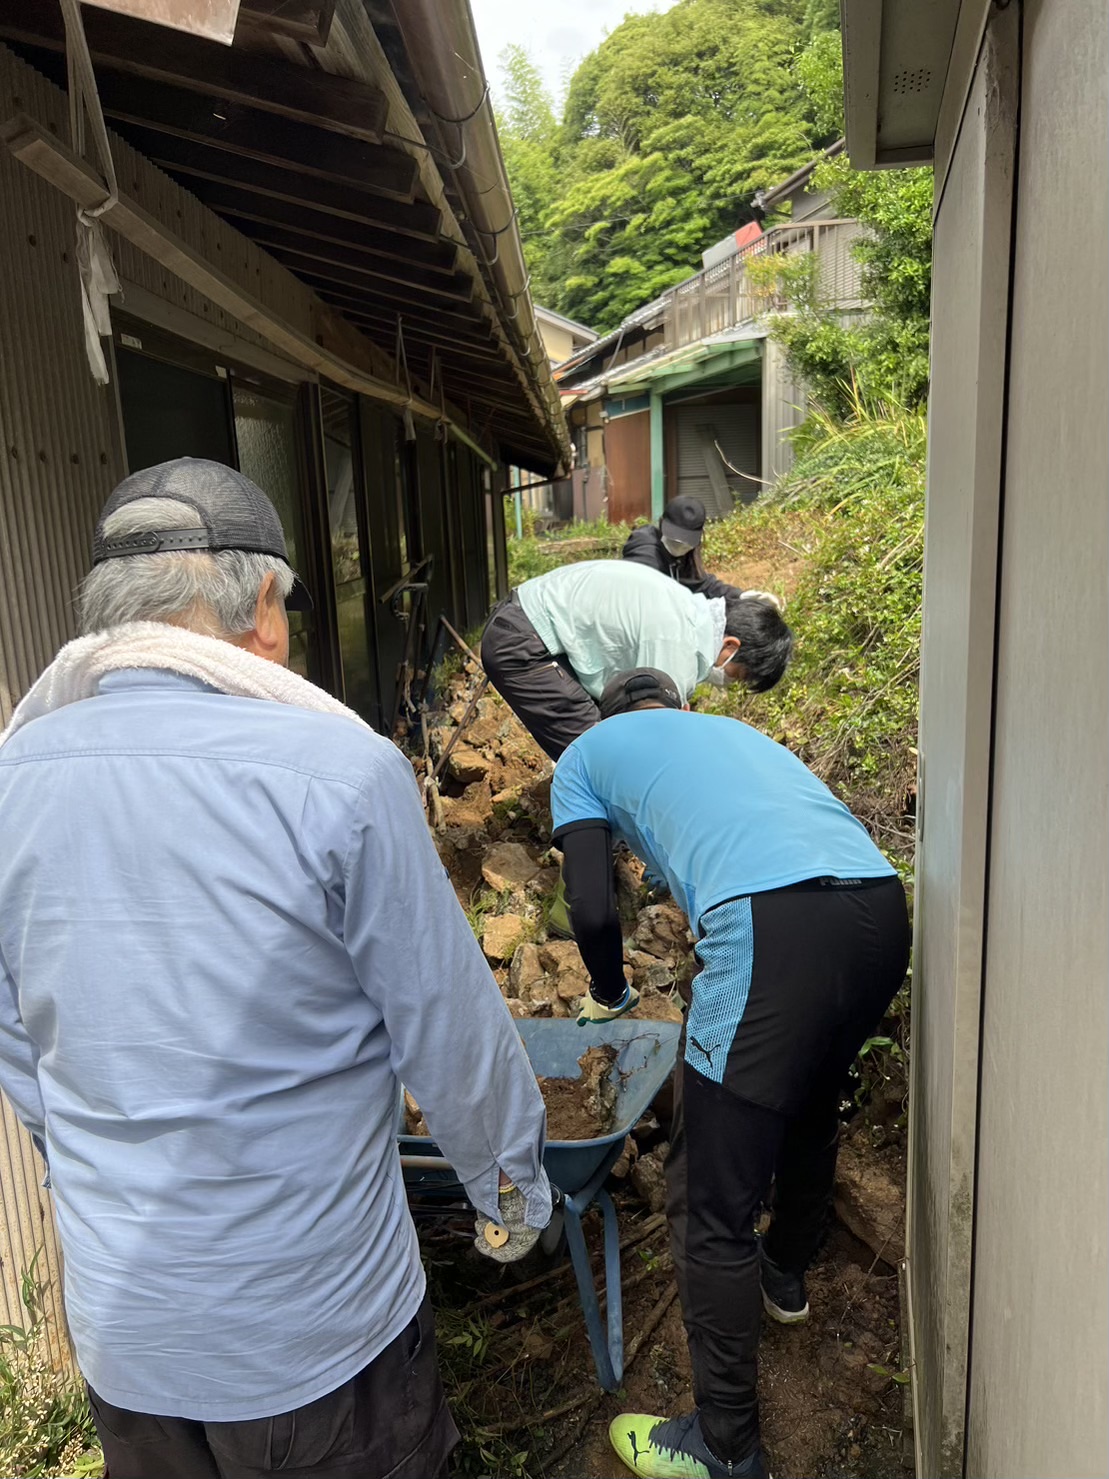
[445,58]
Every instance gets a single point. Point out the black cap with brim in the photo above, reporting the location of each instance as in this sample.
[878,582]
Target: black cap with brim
[233,514]
[683,520]
[639,686]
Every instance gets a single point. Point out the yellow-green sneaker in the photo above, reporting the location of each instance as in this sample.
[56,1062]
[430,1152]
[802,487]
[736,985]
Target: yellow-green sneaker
[675,1448]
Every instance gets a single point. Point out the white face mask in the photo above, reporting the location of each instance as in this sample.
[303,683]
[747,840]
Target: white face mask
[675,547]
[719,677]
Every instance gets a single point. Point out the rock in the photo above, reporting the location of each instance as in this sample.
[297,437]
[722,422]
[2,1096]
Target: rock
[658,1006]
[571,985]
[508,866]
[870,1202]
[516,1006]
[468,765]
[501,935]
[560,1008]
[525,970]
[508,797]
[658,976]
[545,882]
[628,1157]
[649,1178]
[541,996]
[473,809]
[457,711]
[561,955]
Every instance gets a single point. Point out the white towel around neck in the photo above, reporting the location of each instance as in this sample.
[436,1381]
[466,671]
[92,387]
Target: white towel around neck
[76,671]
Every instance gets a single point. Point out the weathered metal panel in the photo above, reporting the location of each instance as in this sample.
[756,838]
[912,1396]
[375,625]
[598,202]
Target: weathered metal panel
[628,458]
[964,470]
[1039,1370]
[707,433]
[59,458]
[784,405]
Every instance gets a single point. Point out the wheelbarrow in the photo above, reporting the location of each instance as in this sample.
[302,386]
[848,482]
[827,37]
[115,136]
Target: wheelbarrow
[578,1168]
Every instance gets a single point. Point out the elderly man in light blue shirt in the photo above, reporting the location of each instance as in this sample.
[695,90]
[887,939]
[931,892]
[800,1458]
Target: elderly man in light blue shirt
[225,940]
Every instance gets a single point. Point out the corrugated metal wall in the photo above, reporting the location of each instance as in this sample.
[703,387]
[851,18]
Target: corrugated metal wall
[59,458]
[702,471]
[784,402]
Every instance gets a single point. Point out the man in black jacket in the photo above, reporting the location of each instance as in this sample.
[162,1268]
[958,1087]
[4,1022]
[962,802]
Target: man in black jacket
[672,546]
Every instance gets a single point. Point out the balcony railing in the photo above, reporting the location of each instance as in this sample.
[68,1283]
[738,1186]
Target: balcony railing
[724,296]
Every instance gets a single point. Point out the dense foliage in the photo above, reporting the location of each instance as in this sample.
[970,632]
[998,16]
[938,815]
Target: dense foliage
[853,507]
[669,128]
[884,354]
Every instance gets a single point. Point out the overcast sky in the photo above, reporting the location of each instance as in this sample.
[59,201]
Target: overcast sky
[557,36]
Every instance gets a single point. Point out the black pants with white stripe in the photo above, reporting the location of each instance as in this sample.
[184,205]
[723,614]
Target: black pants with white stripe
[794,981]
[540,687]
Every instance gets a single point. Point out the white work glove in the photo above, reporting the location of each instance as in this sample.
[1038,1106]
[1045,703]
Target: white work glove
[510,1238]
[592,1010]
[768,596]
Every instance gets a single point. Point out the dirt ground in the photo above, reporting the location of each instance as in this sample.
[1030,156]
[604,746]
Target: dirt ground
[518,1367]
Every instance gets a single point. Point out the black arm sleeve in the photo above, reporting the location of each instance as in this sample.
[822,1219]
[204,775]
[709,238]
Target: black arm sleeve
[644,546]
[591,892]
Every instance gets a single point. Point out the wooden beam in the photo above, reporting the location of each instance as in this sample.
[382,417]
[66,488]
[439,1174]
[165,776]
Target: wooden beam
[158,109]
[314,226]
[121,44]
[302,20]
[49,158]
[195,161]
[456,289]
[387,295]
[404,287]
[384,330]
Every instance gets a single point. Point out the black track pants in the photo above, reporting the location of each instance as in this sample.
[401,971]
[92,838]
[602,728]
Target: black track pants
[388,1422]
[539,687]
[818,967]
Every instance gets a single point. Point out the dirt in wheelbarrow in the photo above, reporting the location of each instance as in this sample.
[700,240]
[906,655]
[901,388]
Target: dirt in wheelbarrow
[577,1108]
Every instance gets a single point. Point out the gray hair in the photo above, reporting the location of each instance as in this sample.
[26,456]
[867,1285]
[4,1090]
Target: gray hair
[211,592]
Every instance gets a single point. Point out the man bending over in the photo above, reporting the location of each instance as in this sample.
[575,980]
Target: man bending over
[803,940]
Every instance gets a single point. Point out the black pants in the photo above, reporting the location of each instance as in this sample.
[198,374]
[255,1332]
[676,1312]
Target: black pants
[820,967]
[389,1420]
[541,688]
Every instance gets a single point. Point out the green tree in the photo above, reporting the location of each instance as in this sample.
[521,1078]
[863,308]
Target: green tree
[885,356]
[669,128]
[528,128]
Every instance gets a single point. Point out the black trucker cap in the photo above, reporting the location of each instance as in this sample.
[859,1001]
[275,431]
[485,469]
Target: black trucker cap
[638,686]
[232,513]
[683,519]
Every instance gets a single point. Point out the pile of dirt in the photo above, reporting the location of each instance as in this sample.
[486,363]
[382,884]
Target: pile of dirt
[581,1108]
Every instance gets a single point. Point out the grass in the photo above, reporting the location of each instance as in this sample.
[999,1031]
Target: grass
[46,1427]
[535,554]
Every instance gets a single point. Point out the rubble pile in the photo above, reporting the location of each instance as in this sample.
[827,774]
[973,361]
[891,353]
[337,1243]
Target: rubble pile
[491,822]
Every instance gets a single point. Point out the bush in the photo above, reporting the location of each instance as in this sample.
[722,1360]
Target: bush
[853,507]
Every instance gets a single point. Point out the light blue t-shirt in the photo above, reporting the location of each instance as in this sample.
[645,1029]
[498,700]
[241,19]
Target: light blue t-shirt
[711,805]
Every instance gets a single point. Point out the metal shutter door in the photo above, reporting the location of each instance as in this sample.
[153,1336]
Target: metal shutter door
[701,471]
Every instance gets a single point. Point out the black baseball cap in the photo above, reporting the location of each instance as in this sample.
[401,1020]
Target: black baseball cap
[639,686]
[232,513]
[683,519]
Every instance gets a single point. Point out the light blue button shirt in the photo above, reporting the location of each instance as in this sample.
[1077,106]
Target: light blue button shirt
[225,937]
[611,615]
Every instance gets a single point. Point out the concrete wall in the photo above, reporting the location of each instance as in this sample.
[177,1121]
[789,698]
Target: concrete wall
[557,341]
[970,311]
[1007,1258]
[1039,1371]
